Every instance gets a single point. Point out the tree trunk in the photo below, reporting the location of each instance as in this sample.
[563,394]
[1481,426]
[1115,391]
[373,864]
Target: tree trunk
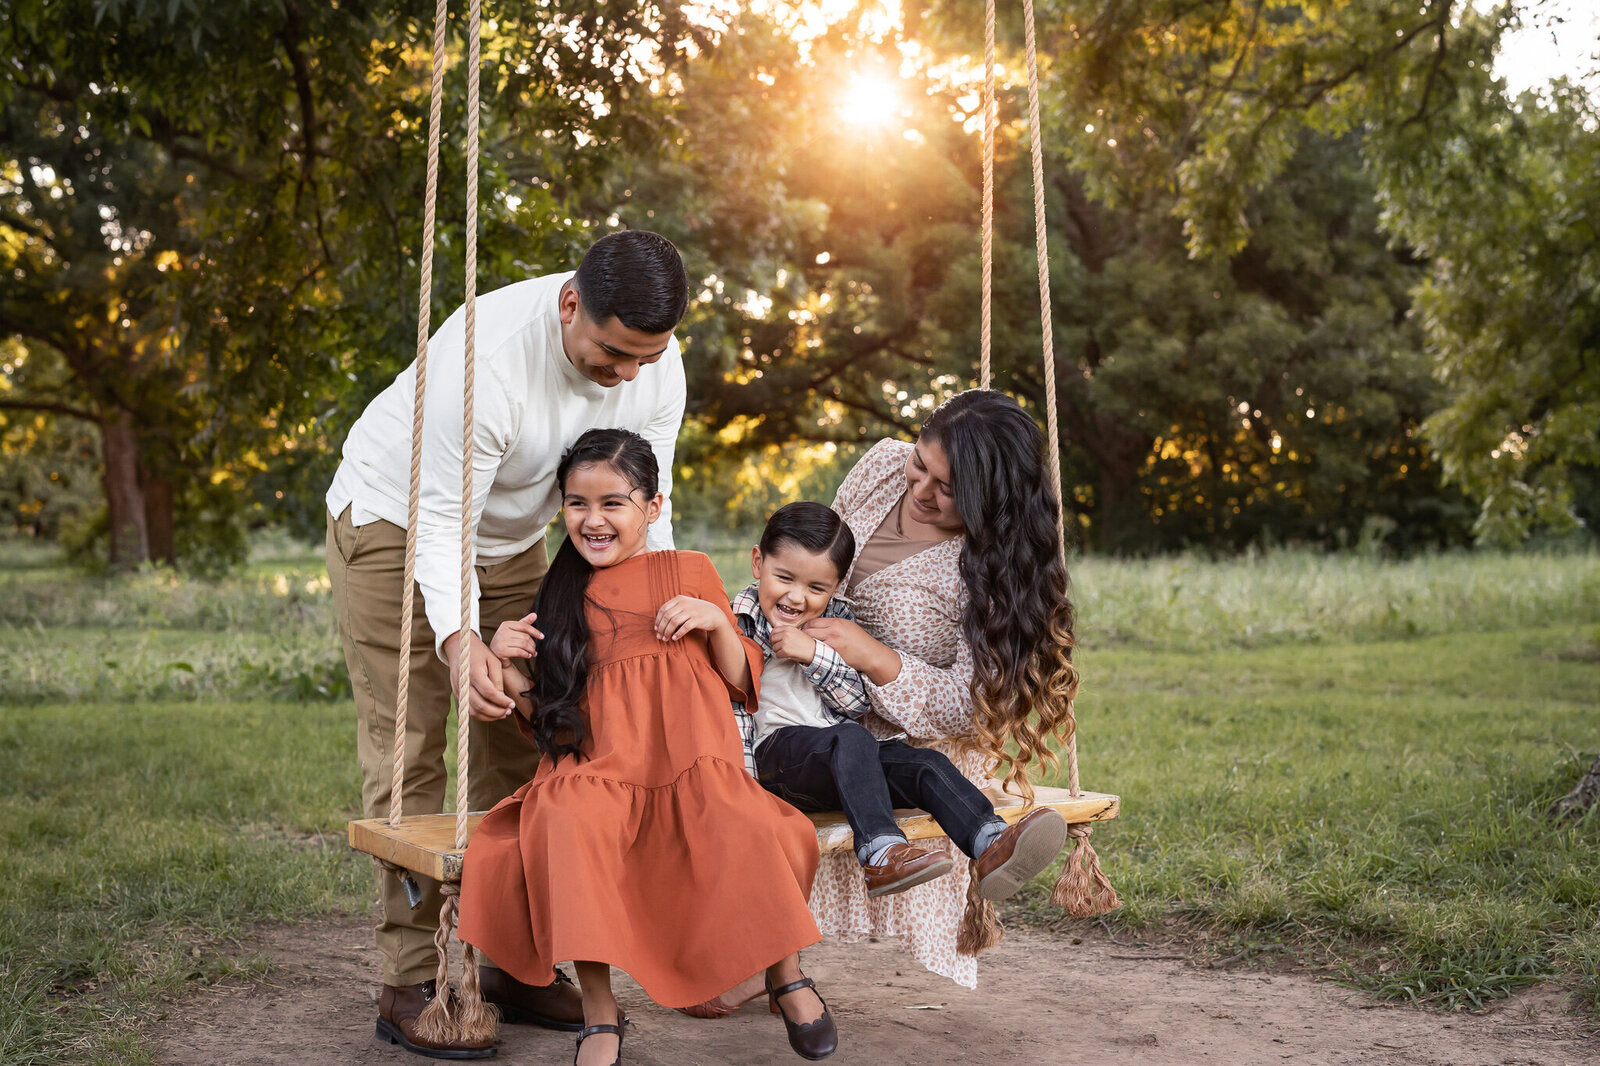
[119,448]
[1582,796]
[158,519]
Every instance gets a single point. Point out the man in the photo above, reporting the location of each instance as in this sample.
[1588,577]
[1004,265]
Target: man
[555,356]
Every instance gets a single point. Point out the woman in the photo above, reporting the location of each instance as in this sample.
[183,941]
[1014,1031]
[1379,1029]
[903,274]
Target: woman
[964,637]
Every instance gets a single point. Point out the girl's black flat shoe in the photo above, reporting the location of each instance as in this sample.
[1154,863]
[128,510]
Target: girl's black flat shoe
[595,1030]
[810,1040]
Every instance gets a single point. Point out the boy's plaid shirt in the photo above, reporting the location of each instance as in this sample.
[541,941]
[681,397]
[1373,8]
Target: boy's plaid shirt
[844,694]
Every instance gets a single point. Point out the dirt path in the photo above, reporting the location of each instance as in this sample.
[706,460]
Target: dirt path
[1041,1000]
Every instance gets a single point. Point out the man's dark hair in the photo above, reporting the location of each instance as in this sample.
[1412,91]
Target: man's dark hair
[635,276]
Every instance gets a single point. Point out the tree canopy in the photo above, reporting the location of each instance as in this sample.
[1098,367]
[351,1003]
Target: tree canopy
[1316,277]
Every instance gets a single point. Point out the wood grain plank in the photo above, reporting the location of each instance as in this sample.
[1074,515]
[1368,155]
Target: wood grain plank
[424,843]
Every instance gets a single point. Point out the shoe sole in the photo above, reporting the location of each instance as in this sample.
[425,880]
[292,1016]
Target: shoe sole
[1036,848]
[514,1015]
[390,1032]
[923,876]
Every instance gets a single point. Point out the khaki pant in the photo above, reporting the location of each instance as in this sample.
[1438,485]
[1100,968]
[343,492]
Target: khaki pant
[366,566]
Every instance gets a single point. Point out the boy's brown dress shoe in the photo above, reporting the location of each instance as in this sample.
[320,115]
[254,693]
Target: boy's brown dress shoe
[1020,852]
[905,866]
[398,1008]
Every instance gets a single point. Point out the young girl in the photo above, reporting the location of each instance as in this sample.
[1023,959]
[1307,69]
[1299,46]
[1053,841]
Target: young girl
[811,752]
[641,843]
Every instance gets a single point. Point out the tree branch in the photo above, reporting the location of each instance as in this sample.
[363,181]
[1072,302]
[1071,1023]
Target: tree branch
[50,407]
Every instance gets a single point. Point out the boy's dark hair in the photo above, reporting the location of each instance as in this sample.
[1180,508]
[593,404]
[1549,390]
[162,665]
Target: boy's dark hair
[635,276]
[561,670]
[811,527]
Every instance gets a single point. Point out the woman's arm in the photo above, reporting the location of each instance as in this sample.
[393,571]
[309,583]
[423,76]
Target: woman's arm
[884,460]
[875,660]
[927,701]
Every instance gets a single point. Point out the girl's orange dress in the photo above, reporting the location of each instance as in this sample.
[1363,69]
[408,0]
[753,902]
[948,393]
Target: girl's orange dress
[656,853]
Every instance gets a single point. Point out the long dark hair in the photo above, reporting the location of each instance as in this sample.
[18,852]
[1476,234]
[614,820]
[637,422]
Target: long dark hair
[1018,619]
[561,669]
[811,527]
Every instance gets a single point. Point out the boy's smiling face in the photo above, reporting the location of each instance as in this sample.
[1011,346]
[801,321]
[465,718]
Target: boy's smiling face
[793,585]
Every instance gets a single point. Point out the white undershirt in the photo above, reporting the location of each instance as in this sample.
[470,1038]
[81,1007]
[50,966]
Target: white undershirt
[787,698]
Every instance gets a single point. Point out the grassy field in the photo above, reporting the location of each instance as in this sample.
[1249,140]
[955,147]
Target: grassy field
[1334,759]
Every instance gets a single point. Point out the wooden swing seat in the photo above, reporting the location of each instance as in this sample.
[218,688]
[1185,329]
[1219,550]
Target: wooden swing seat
[423,843]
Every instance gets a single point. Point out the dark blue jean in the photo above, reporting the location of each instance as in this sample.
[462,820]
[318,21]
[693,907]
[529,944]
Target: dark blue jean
[845,768]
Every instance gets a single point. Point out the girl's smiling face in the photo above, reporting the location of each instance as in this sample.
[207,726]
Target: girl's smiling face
[606,516]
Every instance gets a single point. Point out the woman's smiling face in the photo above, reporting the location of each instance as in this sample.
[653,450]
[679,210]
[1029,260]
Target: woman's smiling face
[606,517]
[928,488]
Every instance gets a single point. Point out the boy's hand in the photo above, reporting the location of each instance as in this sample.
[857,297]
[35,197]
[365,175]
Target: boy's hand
[515,640]
[791,643]
[682,615]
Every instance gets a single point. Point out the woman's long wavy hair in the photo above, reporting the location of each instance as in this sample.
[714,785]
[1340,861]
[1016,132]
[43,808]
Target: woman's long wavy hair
[1018,619]
[561,669]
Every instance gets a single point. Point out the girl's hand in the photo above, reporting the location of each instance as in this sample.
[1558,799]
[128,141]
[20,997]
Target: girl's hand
[793,644]
[515,640]
[682,615]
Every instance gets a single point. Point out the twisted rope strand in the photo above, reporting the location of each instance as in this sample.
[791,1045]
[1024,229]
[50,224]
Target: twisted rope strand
[984,374]
[420,391]
[1042,250]
[463,719]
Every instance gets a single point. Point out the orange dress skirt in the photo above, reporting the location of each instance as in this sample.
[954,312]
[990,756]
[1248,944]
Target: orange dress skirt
[656,853]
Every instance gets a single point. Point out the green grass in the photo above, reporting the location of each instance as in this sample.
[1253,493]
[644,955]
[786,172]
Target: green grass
[1377,808]
[1336,759]
[140,840]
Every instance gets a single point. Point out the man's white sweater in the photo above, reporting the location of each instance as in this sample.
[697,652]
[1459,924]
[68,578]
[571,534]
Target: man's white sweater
[530,405]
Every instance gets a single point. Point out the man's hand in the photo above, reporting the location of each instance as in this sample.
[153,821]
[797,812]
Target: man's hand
[487,700]
[682,615]
[791,643]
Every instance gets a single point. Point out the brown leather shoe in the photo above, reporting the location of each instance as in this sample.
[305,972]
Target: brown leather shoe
[1020,852]
[905,866]
[398,1008]
[557,1005]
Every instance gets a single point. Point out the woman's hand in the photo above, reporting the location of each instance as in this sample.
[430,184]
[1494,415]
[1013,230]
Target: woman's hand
[515,640]
[878,662]
[682,615]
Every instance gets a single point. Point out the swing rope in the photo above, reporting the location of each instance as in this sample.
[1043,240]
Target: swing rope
[464,1018]
[987,330]
[1083,890]
[419,391]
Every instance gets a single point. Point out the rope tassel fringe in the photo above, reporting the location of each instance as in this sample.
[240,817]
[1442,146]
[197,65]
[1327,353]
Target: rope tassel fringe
[980,925]
[459,1017]
[1083,890]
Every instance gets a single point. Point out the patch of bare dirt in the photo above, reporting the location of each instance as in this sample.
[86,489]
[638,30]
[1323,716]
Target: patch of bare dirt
[1041,999]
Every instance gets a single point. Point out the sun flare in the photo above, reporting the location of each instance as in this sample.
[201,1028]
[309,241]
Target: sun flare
[869,100]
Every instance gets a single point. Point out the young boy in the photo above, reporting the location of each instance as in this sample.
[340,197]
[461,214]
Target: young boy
[810,750]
